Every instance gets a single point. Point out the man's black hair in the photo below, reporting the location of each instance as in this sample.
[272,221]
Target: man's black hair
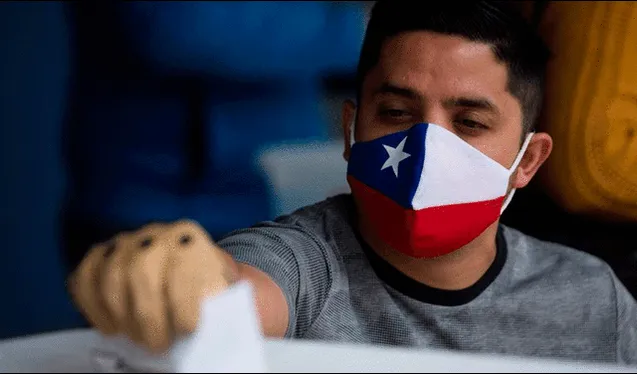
[512,38]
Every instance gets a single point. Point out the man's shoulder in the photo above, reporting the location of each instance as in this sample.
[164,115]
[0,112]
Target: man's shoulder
[322,216]
[318,225]
[555,261]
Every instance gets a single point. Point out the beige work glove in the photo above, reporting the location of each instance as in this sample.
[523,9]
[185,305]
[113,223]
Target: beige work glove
[149,284]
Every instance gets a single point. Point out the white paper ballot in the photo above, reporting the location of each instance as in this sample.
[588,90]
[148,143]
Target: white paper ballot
[228,339]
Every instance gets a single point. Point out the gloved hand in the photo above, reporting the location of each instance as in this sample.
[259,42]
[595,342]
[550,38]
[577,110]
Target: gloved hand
[149,284]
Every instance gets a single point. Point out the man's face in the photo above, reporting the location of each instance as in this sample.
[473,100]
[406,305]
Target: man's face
[452,82]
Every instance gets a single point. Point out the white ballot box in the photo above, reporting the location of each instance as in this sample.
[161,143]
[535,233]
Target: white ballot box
[229,340]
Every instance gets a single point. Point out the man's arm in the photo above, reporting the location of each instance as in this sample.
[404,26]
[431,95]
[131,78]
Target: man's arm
[626,325]
[148,284]
[270,300]
[290,270]
[246,39]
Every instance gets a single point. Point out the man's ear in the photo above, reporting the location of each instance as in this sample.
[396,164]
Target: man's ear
[536,154]
[348,116]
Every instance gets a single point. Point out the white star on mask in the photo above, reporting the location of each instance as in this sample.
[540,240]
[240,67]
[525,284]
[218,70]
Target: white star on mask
[396,155]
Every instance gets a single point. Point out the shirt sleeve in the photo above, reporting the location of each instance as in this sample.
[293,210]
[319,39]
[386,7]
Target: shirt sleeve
[297,262]
[626,325]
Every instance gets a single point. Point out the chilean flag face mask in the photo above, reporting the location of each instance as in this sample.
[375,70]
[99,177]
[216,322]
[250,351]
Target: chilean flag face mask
[425,191]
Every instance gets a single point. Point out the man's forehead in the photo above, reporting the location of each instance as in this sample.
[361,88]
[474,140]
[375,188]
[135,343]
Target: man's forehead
[438,64]
[413,42]
[438,54]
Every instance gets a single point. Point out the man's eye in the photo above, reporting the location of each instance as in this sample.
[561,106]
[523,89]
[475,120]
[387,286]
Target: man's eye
[393,113]
[470,124]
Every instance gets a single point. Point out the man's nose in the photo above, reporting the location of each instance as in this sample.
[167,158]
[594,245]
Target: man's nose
[436,116]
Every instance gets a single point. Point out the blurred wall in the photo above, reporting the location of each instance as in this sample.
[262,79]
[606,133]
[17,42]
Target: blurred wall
[34,74]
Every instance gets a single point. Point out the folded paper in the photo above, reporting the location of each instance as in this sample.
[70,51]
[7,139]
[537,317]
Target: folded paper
[228,339]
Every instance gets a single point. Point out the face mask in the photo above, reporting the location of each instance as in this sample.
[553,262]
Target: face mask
[425,191]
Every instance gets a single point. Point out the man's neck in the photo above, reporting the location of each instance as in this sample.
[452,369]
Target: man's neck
[455,271]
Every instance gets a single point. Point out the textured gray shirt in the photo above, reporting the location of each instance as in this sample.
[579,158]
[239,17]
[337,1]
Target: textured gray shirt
[537,299]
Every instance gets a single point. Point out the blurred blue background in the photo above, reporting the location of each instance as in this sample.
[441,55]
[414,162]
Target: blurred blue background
[116,114]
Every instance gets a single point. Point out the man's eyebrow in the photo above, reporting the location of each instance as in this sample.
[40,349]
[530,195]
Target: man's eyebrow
[394,89]
[472,102]
[461,101]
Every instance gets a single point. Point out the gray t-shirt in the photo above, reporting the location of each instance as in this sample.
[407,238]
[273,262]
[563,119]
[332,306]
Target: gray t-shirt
[537,299]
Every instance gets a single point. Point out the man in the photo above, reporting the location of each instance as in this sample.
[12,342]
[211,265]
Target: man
[415,256]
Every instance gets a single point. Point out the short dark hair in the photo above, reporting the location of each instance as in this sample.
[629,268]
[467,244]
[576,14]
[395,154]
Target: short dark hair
[513,39]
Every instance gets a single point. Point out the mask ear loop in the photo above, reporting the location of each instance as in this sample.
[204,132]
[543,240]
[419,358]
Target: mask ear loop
[351,132]
[515,165]
[351,135]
